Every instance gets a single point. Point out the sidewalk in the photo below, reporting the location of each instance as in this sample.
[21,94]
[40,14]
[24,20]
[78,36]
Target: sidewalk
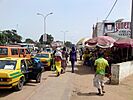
[83,87]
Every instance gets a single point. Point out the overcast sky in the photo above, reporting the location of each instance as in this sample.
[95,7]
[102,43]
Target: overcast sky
[74,17]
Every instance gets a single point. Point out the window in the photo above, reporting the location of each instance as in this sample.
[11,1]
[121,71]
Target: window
[43,55]
[8,64]
[29,62]
[14,51]
[23,66]
[3,51]
[21,51]
[27,52]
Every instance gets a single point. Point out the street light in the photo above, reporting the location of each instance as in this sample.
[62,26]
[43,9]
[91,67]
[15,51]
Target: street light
[44,17]
[64,36]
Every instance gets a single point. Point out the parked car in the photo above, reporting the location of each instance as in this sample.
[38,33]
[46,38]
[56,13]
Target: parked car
[33,53]
[45,58]
[14,72]
[50,50]
[14,51]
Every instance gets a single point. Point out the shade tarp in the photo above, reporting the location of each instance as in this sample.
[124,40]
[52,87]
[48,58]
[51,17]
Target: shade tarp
[82,41]
[124,43]
[101,41]
[56,44]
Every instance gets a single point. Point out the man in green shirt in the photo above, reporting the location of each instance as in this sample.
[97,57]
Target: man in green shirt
[100,66]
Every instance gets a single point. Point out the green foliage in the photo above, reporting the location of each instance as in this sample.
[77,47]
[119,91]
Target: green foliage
[28,40]
[9,36]
[49,39]
[3,39]
[68,44]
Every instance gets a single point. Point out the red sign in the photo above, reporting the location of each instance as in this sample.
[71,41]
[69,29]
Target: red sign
[122,25]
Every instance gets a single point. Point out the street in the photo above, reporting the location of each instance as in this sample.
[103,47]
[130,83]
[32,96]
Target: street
[70,86]
[83,87]
[50,88]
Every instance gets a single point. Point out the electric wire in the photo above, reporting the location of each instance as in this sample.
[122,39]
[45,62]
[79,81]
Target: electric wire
[111,10]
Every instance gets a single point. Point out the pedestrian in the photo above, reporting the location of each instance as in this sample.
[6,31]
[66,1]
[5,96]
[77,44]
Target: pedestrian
[81,53]
[67,55]
[64,62]
[58,59]
[53,67]
[100,66]
[73,58]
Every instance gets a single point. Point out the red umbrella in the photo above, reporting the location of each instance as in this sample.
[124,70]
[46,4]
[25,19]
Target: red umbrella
[101,41]
[124,43]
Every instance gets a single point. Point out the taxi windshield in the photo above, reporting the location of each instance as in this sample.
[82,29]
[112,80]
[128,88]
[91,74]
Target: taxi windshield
[42,55]
[7,64]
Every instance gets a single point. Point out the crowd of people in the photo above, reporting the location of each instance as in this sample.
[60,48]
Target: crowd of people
[101,59]
[88,56]
[98,59]
[60,59]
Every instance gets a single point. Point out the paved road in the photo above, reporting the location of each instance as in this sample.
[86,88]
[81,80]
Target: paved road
[70,86]
[50,88]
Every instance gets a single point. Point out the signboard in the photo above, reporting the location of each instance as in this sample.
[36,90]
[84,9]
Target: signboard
[109,27]
[122,25]
[118,29]
[44,37]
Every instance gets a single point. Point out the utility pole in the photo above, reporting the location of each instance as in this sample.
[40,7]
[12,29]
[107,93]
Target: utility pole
[132,20]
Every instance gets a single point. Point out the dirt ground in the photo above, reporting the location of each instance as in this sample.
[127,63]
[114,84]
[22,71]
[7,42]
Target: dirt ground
[83,89]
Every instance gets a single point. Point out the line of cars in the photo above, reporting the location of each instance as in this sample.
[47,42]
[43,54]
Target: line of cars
[17,67]
[45,58]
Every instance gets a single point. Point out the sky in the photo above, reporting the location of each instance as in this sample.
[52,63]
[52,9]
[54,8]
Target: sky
[72,18]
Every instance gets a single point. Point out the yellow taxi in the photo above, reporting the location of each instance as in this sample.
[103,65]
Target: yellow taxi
[13,72]
[45,58]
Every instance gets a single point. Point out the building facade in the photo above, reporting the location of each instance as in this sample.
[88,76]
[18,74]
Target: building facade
[116,29]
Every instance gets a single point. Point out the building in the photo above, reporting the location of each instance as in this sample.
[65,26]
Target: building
[30,46]
[117,29]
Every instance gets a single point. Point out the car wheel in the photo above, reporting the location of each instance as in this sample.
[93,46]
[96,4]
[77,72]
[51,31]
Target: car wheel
[38,78]
[20,84]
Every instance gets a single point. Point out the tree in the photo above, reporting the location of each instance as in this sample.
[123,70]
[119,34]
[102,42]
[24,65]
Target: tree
[28,40]
[3,39]
[12,36]
[68,44]
[49,39]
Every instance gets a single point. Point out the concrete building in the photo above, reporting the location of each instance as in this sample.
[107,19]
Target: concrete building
[117,29]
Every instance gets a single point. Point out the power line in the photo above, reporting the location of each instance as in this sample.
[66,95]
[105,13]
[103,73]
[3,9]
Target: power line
[111,9]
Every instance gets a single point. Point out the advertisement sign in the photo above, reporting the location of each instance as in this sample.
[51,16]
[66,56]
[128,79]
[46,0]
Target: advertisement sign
[122,25]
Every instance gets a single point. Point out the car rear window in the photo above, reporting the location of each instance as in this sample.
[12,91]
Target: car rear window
[8,64]
[42,55]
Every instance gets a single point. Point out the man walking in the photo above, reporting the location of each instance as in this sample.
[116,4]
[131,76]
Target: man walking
[100,66]
[73,58]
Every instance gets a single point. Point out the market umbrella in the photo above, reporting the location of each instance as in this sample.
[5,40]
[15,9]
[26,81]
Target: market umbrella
[124,43]
[56,44]
[101,41]
[81,42]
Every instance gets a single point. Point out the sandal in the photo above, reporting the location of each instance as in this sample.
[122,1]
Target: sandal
[100,94]
[103,91]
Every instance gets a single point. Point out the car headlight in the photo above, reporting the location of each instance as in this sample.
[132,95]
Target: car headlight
[9,79]
[5,79]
